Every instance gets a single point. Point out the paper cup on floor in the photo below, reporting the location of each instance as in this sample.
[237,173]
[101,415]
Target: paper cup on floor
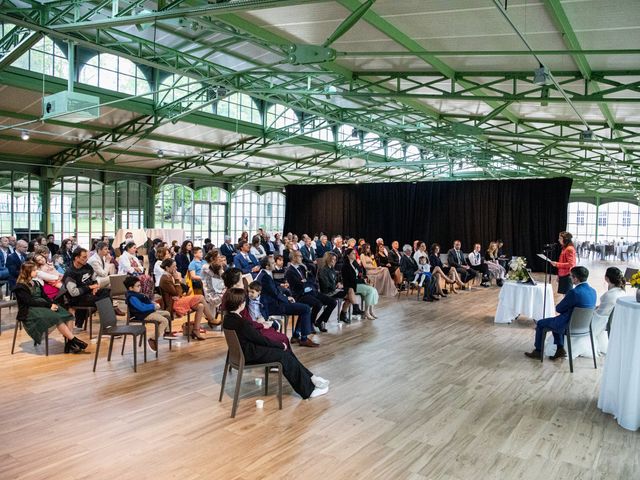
[258,382]
[259,403]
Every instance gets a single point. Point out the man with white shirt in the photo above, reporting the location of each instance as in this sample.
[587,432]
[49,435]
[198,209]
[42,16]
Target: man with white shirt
[477,263]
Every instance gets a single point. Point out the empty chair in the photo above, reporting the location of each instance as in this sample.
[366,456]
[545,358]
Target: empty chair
[579,325]
[235,359]
[109,326]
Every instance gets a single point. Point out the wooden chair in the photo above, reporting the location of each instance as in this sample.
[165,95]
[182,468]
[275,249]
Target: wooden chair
[109,327]
[235,359]
[579,325]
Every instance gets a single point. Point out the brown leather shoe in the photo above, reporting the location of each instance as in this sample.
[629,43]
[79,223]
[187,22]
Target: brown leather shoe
[560,353]
[294,340]
[307,343]
[119,312]
[537,354]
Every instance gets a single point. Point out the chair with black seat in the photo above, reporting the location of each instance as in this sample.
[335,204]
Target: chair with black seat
[109,327]
[6,304]
[15,334]
[116,285]
[579,326]
[156,330]
[235,359]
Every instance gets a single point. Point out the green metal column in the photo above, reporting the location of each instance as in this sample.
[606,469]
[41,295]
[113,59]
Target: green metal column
[597,215]
[150,205]
[45,199]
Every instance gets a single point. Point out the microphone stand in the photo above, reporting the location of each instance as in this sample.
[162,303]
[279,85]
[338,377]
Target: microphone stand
[547,251]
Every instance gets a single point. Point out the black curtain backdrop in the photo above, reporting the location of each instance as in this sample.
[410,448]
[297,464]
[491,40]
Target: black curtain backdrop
[525,214]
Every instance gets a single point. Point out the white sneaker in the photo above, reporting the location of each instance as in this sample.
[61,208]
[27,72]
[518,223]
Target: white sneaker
[319,381]
[317,392]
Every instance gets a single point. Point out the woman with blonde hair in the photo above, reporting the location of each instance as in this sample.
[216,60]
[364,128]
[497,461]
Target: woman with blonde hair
[47,274]
[379,276]
[495,269]
[38,313]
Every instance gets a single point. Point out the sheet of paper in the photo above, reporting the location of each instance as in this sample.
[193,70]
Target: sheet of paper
[544,257]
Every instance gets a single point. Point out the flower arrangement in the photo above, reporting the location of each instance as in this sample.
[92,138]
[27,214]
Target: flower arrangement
[635,280]
[518,269]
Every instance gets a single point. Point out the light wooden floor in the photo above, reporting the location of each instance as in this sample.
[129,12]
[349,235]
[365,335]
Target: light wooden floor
[427,391]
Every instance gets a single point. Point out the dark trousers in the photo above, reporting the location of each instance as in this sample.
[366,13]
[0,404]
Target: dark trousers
[465,275]
[303,325]
[430,288]
[557,325]
[483,269]
[316,301]
[87,300]
[295,372]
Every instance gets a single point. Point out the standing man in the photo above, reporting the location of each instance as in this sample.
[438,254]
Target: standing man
[228,250]
[15,261]
[52,245]
[455,259]
[582,295]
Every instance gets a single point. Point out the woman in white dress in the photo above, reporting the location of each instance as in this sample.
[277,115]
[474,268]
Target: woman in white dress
[615,289]
[257,250]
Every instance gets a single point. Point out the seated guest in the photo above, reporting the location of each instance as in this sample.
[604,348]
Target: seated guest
[379,277]
[195,270]
[354,278]
[15,261]
[153,252]
[101,264]
[245,261]
[212,283]
[278,271]
[48,276]
[379,245]
[58,264]
[495,269]
[408,265]
[394,261]
[244,237]
[616,282]
[278,244]
[583,295]
[258,349]
[184,258]
[228,250]
[323,246]
[286,253]
[478,264]
[38,313]
[305,290]
[128,238]
[451,274]
[257,249]
[66,250]
[52,245]
[309,255]
[256,308]
[329,285]
[432,288]
[161,254]
[391,262]
[141,308]
[338,251]
[456,260]
[179,304]
[208,246]
[81,285]
[4,271]
[129,264]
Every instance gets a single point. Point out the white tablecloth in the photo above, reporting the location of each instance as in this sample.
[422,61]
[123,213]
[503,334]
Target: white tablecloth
[523,299]
[620,384]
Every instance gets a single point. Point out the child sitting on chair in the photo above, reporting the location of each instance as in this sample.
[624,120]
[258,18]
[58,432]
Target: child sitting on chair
[257,311]
[141,308]
[423,273]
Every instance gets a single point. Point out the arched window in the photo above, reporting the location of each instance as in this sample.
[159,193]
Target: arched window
[239,106]
[210,215]
[372,143]
[114,73]
[128,209]
[45,57]
[20,205]
[244,213]
[349,136]
[581,221]
[395,150]
[413,154]
[180,87]
[272,207]
[279,116]
[174,208]
[618,221]
[77,209]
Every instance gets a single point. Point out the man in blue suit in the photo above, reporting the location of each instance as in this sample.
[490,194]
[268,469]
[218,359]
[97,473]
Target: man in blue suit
[277,303]
[15,261]
[245,261]
[309,256]
[583,296]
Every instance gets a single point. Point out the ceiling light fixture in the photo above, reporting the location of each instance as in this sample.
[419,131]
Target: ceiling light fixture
[24,135]
[160,153]
[541,75]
